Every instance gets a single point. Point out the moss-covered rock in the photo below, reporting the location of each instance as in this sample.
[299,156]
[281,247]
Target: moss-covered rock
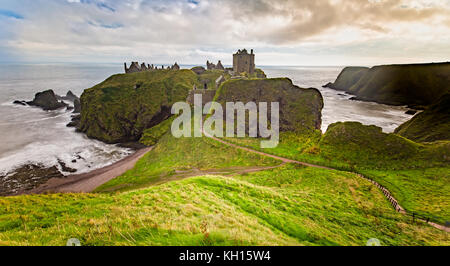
[300,109]
[430,125]
[123,106]
[355,142]
[47,100]
[416,85]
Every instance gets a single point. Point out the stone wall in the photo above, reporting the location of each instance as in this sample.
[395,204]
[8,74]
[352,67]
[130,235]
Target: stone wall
[207,96]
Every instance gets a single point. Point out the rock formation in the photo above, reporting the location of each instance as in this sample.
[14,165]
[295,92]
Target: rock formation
[300,109]
[47,100]
[115,112]
[77,106]
[24,103]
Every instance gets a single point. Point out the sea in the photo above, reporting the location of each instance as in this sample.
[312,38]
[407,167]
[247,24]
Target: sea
[30,135]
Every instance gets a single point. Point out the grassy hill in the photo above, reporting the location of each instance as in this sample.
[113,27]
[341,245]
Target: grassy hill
[287,206]
[196,191]
[174,158]
[417,174]
[415,84]
[431,125]
[123,106]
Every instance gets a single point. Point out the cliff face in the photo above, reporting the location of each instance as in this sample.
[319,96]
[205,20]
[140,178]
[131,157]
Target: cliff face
[416,85]
[300,109]
[348,77]
[430,125]
[123,106]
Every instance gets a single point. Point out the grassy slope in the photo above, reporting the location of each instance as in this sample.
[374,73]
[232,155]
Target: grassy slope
[121,107]
[171,155]
[152,135]
[288,206]
[417,174]
[431,125]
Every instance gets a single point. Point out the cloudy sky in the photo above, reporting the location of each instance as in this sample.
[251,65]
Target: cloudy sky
[282,32]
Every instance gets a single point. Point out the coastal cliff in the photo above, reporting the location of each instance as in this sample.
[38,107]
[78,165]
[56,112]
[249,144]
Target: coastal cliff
[416,85]
[123,106]
[430,125]
[300,108]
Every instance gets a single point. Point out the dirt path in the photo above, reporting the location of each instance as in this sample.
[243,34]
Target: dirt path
[384,190]
[89,181]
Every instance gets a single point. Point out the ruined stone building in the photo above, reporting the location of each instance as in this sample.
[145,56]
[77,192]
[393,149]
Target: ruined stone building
[135,67]
[210,65]
[176,66]
[244,62]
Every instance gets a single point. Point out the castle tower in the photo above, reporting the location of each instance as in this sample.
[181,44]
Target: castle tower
[244,62]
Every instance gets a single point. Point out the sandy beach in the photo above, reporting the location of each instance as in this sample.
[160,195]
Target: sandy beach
[88,182]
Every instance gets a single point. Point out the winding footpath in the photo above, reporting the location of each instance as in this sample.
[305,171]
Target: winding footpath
[385,191]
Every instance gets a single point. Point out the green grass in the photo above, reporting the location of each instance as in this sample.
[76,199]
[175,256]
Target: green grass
[422,191]
[416,174]
[152,135]
[172,156]
[287,206]
[431,125]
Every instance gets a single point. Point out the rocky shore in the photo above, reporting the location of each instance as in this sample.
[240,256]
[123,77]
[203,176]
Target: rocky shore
[26,178]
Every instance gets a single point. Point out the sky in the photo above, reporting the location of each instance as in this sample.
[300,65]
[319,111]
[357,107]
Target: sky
[281,32]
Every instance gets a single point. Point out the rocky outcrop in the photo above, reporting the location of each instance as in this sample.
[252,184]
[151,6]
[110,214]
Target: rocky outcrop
[75,122]
[120,108]
[24,103]
[47,100]
[26,178]
[416,85]
[69,97]
[300,109]
[77,106]
[430,125]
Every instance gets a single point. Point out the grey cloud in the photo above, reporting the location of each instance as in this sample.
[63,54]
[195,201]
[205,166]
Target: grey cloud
[179,27]
[309,18]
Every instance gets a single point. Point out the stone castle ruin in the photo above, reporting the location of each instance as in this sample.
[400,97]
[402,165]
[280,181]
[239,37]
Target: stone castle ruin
[244,62]
[135,67]
[211,66]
